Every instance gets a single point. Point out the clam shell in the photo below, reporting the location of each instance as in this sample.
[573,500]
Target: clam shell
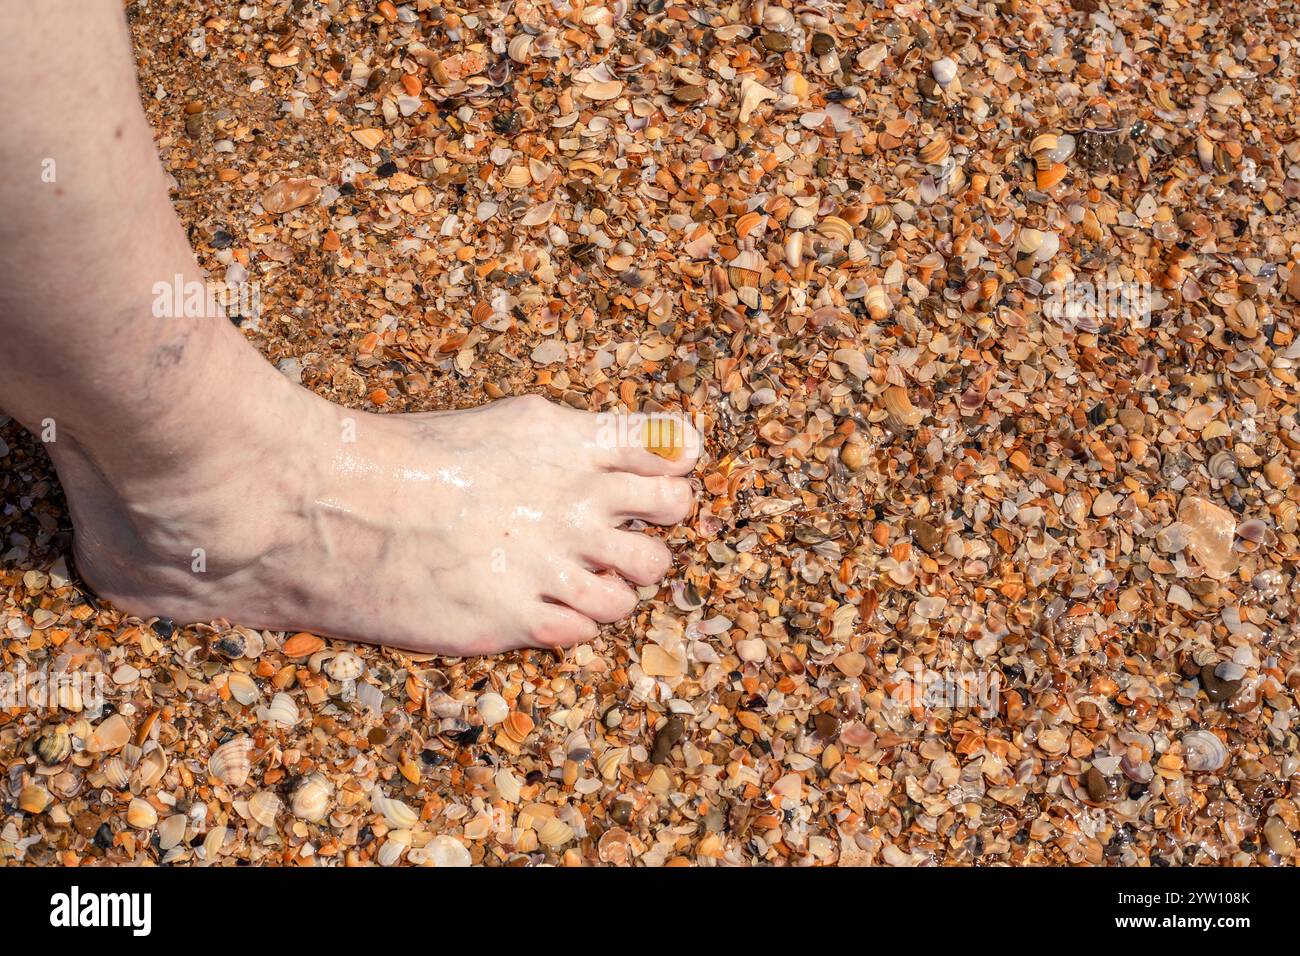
[345,666]
[53,745]
[520,48]
[115,773]
[393,848]
[555,833]
[516,177]
[149,770]
[264,806]
[231,762]
[171,831]
[34,799]
[243,688]
[833,227]
[398,814]
[794,250]
[283,711]
[1222,465]
[1043,143]
[141,814]
[936,150]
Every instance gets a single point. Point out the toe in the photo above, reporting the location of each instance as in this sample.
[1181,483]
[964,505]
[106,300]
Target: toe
[553,625]
[601,597]
[658,500]
[639,558]
[625,443]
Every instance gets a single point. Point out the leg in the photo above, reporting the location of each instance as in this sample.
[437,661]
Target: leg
[180,448]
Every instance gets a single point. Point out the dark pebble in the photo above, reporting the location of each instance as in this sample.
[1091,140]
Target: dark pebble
[666,739]
[776,42]
[827,725]
[386,169]
[1216,689]
[1097,785]
[164,627]
[689,94]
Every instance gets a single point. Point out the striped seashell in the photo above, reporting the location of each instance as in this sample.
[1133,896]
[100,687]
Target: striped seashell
[115,772]
[936,150]
[264,806]
[232,761]
[833,227]
[1043,143]
[877,302]
[311,801]
[398,814]
[900,409]
[283,711]
[520,48]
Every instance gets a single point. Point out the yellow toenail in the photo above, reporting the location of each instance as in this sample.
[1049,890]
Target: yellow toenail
[664,438]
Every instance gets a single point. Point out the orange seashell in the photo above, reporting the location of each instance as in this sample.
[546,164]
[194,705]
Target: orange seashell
[1047,178]
[302,644]
[746,223]
[518,726]
[411,83]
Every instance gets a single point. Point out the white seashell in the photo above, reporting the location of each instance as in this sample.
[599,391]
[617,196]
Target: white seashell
[1203,751]
[149,770]
[492,708]
[393,848]
[311,801]
[115,773]
[520,48]
[944,71]
[445,850]
[345,666]
[243,688]
[231,762]
[397,813]
[264,806]
[171,831]
[283,710]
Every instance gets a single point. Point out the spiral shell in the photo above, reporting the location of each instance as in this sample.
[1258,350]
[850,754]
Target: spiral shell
[231,762]
[311,801]
[877,302]
[1203,751]
[264,806]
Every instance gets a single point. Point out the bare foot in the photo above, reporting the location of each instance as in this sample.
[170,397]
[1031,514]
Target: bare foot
[458,533]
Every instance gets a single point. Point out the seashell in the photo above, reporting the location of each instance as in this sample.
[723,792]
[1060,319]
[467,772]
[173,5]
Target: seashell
[369,137]
[149,770]
[34,799]
[516,177]
[243,688]
[1222,465]
[801,217]
[115,773]
[1253,530]
[520,48]
[879,218]
[607,763]
[794,250]
[311,801]
[538,215]
[936,150]
[492,708]
[53,745]
[212,843]
[231,762]
[518,726]
[833,227]
[112,734]
[171,831]
[1210,530]
[877,302]
[1043,143]
[746,223]
[1076,508]
[345,666]
[283,711]
[1029,241]
[289,194]
[264,806]
[606,90]
[745,269]
[302,644]
[1203,751]
[752,94]
[1047,178]
[900,408]
[944,70]
[555,833]
[141,814]
[230,645]
[445,850]
[398,814]
[396,844]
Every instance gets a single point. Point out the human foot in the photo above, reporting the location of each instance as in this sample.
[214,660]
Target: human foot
[458,533]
